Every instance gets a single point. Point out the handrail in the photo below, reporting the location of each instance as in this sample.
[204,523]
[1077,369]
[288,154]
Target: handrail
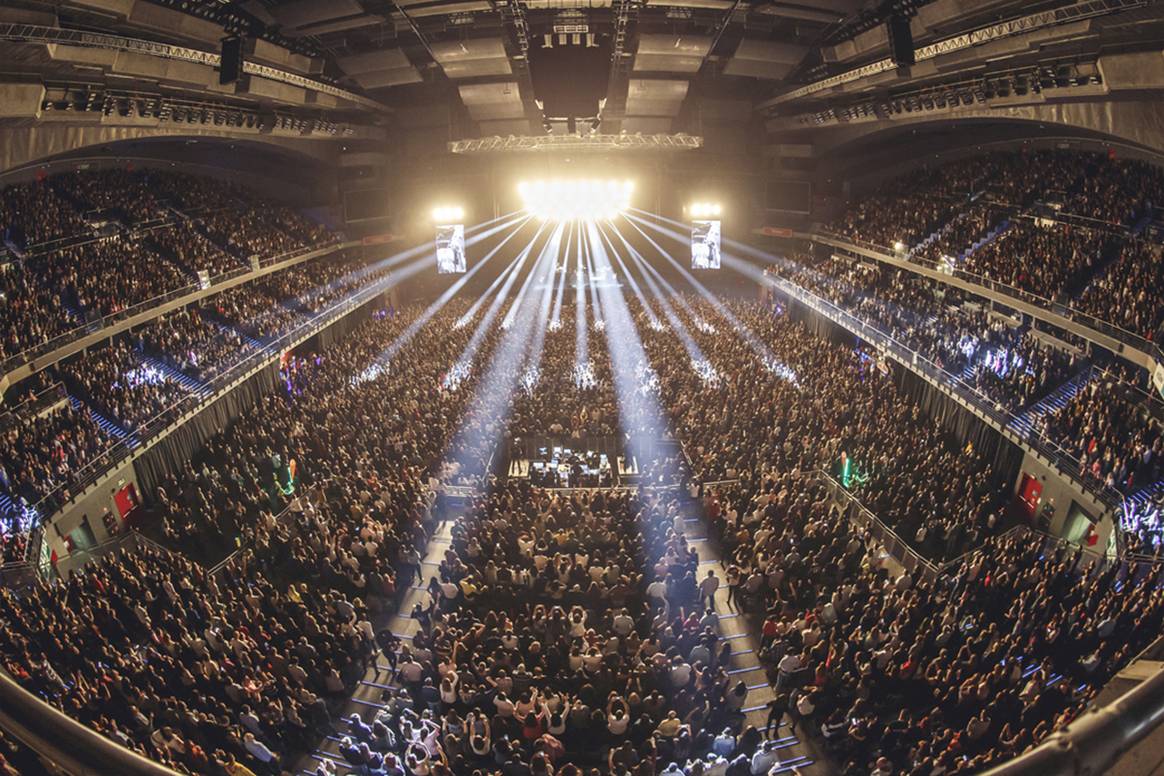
[98,324]
[77,748]
[1093,742]
[51,733]
[289,508]
[912,558]
[957,560]
[29,404]
[1066,463]
[48,504]
[1079,316]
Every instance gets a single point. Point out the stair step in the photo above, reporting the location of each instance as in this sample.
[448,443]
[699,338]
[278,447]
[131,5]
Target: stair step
[107,425]
[186,381]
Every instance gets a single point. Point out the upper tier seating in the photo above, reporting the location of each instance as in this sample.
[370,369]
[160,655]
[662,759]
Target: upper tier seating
[92,243]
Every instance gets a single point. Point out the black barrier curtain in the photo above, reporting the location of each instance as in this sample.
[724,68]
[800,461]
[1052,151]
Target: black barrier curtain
[820,326]
[345,325]
[963,425]
[1008,460]
[172,453]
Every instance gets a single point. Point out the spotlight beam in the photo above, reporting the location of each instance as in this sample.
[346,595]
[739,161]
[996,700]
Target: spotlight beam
[651,267]
[549,248]
[740,247]
[418,257]
[557,314]
[471,313]
[491,313]
[598,317]
[424,262]
[581,333]
[640,416]
[405,336]
[650,313]
[491,222]
[538,343]
[493,399]
[689,344]
[765,354]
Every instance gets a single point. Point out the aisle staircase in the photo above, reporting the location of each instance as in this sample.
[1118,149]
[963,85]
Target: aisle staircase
[9,508]
[191,384]
[1028,421]
[110,427]
[794,752]
[929,239]
[229,329]
[367,699]
[985,240]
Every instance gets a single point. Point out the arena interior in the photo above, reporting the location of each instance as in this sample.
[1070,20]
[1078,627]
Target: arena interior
[563,388]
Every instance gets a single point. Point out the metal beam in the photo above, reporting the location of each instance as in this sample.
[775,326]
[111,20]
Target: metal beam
[624,12]
[1089,9]
[521,143]
[35,33]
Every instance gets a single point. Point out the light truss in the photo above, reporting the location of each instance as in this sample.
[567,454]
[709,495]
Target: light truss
[35,33]
[1084,10]
[512,143]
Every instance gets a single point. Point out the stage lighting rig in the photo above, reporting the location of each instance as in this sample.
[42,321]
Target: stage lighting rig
[705,210]
[561,200]
[448,215]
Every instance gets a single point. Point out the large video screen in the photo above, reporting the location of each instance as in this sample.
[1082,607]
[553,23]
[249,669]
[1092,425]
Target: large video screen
[705,245]
[450,249]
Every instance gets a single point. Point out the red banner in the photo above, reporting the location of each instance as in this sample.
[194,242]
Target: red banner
[379,239]
[775,231]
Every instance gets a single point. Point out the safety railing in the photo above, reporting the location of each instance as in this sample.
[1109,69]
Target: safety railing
[958,559]
[34,404]
[81,479]
[860,515]
[1085,319]
[1062,459]
[293,507]
[97,324]
[72,747]
[1094,741]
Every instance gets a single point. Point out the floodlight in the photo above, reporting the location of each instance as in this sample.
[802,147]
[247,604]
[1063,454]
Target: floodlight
[448,215]
[583,199]
[704,210]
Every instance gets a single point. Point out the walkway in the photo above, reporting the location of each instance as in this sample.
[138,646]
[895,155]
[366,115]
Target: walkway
[794,752]
[366,698]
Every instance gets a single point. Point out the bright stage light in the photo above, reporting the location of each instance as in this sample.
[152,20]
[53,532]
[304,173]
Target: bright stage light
[586,199]
[704,209]
[448,215]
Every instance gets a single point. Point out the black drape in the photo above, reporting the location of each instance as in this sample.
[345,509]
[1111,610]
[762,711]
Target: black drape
[172,453]
[961,423]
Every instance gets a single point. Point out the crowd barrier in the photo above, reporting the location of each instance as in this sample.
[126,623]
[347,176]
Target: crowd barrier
[1059,457]
[161,422]
[864,518]
[1129,338]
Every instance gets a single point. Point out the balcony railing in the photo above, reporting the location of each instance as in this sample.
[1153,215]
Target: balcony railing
[1004,419]
[85,476]
[103,322]
[1085,319]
